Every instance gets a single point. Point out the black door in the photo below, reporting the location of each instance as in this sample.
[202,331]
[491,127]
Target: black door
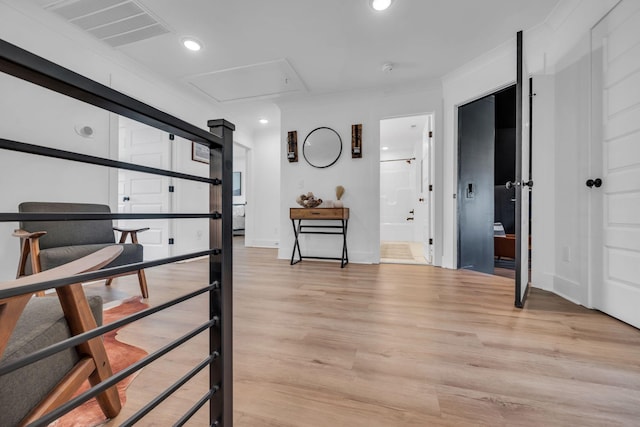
[524,182]
[476,145]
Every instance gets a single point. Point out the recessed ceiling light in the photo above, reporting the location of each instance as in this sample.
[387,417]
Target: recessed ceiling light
[191,44]
[385,148]
[380,5]
[263,121]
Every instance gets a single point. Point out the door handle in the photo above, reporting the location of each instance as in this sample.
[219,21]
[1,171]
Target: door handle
[510,184]
[412,211]
[594,183]
[126,199]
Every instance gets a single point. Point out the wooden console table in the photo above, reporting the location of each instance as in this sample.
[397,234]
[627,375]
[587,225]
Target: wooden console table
[324,214]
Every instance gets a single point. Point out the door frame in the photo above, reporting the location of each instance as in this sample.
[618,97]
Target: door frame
[456,175]
[428,145]
[431,121]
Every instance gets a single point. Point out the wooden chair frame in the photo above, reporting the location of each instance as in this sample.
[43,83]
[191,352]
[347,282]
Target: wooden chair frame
[93,364]
[30,244]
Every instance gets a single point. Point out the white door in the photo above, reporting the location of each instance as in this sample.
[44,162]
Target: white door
[615,199]
[141,192]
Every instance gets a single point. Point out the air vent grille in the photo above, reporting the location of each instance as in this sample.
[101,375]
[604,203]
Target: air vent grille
[115,22]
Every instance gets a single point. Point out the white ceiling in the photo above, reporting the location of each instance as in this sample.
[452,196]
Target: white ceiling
[319,46]
[401,135]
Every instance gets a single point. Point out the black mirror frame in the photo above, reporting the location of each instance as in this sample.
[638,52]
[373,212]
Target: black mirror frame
[304,144]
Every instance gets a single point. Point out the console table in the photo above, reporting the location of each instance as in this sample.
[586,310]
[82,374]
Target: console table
[320,214]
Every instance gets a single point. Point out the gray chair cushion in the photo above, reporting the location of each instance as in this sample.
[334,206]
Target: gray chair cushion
[67,241]
[42,324]
[54,257]
[68,233]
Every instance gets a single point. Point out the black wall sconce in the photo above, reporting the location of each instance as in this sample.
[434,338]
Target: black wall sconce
[292,146]
[356,141]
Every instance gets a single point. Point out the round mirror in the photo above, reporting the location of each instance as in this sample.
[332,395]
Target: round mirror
[322,147]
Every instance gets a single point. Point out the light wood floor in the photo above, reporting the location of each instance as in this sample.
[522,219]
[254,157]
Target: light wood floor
[391,345]
[402,253]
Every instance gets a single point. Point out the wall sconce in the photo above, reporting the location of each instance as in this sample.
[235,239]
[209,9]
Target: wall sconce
[356,141]
[292,146]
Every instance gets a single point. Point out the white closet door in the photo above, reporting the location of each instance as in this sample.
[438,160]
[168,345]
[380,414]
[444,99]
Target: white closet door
[142,192]
[615,165]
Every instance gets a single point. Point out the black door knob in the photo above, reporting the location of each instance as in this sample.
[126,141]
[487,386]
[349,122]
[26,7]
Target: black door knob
[594,183]
[125,199]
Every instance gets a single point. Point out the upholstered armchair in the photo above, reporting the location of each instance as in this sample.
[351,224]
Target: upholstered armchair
[48,244]
[31,324]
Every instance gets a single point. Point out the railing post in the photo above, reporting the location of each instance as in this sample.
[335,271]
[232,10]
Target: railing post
[220,270]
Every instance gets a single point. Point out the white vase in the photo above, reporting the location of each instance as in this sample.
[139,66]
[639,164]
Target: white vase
[338,204]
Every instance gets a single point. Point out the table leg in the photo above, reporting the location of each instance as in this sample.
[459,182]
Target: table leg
[345,254]
[296,232]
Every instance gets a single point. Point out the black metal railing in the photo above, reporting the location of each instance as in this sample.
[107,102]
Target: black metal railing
[27,66]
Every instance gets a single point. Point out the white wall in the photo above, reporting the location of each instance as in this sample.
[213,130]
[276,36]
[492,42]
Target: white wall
[240,165]
[557,54]
[360,177]
[191,234]
[35,115]
[562,120]
[262,222]
[544,190]
[48,122]
[572,118]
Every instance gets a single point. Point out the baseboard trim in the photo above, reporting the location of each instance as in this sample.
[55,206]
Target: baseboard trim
[262,243]
[567,289]
[543,281]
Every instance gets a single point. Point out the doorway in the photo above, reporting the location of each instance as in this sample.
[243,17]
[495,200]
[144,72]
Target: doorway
[405,184]
[240,169]
[486,163]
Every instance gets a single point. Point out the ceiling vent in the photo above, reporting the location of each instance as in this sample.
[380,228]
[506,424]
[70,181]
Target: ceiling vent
[116,22]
